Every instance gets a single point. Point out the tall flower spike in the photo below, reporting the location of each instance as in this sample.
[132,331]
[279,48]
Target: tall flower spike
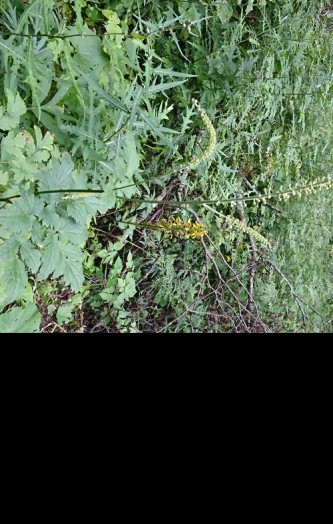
[196,160]
[232,221]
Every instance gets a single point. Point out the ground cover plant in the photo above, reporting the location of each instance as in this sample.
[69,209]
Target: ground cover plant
[166,166]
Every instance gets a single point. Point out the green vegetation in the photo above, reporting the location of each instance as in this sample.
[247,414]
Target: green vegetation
[166,166]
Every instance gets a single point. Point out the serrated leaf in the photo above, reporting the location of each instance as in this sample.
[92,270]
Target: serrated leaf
[9,248]
[117,266]
[15,279]
[12,145]
[71,267]
[72,232]
[156,131]
[51,257]
[49,217]
[37,233]
[43,142]
[113,28]
[6,123]
[130,289]
[62,260]
[57,175]
[16,106]
[52,125]
[20,215]
[30,255]
[20,320]
[77,211]
[80,210]
[4,44]
[65,313]
[112,101]
[24,169]
[108,198]
[39,74]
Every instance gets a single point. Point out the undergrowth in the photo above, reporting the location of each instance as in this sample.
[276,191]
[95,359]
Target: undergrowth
[166,166]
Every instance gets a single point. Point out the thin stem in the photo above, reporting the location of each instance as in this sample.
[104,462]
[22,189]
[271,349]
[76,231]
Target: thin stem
[83,35]
[8,199]
[226,200]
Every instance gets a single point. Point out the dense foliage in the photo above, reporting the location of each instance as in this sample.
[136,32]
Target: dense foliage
[166,166]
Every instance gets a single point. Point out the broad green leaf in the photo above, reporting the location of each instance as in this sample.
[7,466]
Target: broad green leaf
[15,279]
[108,198]
[90,49]
[57,175]
[49,217]
[4,176]
[20,320]
[12,145]
[20,215]
[51,257]
[38,233]
[16,106]
[30,255]
[72,232]
[60,260]
[9,248]
[65,313]
[70,267]
[6,123]
[43,142]
[80,210]
[77,210]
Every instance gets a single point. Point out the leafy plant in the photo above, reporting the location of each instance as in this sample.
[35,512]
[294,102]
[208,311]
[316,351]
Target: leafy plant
[20,320]
[103,152]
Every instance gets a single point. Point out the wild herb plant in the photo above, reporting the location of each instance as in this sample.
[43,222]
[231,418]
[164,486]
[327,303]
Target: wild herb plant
[125,206]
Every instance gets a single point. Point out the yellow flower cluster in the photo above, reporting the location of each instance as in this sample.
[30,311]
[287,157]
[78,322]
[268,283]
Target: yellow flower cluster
[176,227]
[196,160]
[232,221]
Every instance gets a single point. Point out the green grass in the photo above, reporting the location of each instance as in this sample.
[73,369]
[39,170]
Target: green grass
[113,109]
